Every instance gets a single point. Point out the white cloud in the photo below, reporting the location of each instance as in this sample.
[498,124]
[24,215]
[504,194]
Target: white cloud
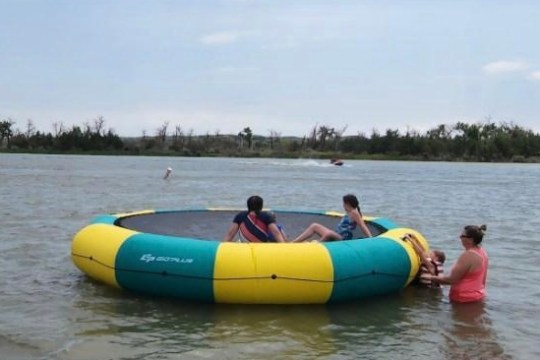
[220,38]
[505,66]
[535,75]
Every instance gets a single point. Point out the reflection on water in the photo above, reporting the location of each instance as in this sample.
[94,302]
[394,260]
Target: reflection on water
[417,322]
[470,334]
[155,328]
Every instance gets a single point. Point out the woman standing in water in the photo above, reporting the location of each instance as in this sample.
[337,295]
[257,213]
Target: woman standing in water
[467,278]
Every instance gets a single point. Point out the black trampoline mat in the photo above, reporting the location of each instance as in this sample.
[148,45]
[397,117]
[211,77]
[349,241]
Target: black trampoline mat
[213,224]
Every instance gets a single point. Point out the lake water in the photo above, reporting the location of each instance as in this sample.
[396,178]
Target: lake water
[50,310]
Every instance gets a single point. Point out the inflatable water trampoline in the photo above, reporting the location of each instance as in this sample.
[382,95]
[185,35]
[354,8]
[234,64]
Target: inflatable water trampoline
[179,254]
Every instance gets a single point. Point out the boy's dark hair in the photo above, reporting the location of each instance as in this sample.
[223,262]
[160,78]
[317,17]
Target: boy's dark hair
[255,204]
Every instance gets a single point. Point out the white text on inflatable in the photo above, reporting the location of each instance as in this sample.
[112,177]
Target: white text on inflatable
[150,258]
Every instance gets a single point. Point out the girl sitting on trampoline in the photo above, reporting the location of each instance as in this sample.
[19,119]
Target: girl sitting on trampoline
[344,230]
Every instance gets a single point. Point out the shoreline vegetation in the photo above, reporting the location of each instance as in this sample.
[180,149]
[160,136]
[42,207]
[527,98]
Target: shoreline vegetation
[461,142]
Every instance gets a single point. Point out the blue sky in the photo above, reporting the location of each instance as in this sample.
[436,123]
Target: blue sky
[283,66]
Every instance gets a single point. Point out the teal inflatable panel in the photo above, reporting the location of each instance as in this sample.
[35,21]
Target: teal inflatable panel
[385,223]
[178,267]
[367,267]
[104,219]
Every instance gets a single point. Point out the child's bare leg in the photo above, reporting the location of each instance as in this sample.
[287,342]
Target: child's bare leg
[311,230]
[330,235]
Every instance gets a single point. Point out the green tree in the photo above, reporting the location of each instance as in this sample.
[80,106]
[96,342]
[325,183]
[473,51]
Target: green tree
[249,137]
[6,132]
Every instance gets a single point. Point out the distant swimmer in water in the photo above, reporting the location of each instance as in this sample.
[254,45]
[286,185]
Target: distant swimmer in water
[168,173]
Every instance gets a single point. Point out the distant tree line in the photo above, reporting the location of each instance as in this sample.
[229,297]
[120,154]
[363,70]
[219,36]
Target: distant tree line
[90,137]
[484,141]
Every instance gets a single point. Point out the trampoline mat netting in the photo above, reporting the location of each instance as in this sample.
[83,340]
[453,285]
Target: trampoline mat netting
[212,225]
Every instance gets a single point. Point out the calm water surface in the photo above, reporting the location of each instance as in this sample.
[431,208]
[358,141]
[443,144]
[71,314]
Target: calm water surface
[50,310]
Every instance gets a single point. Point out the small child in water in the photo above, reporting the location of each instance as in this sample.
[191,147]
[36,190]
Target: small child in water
[432,261]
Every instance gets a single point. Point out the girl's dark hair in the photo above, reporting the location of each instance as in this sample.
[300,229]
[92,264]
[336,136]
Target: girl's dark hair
[352,200]
[475,232]
[255,204]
